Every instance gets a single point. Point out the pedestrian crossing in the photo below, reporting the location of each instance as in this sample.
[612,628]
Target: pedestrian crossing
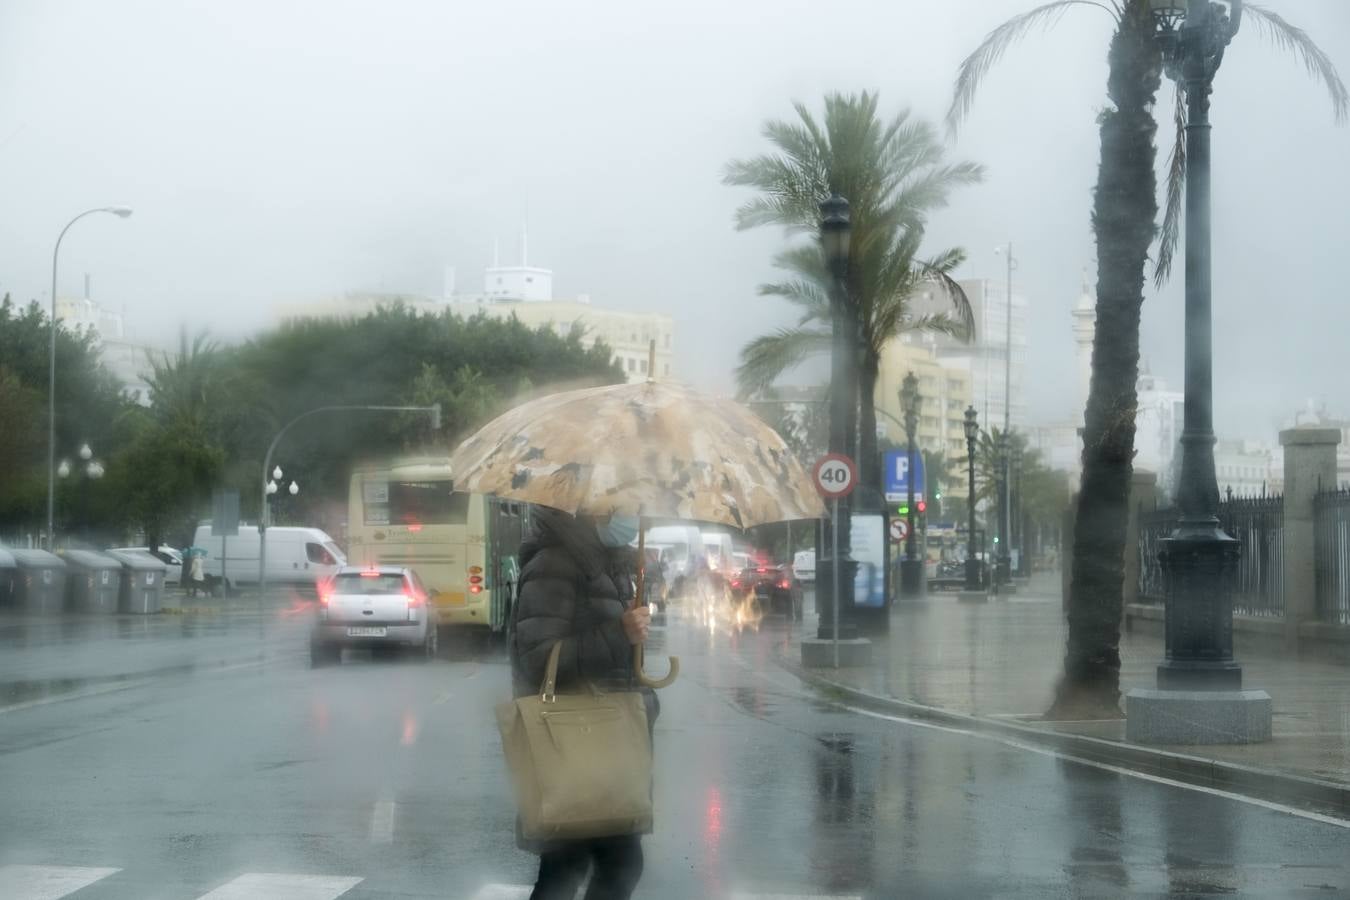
[32,882]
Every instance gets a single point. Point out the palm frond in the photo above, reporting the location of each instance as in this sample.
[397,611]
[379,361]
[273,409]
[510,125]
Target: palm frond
[770,355]
[962,312]
[1170,235]
[1295,40]
[977,65]
[938,323]
[809,295]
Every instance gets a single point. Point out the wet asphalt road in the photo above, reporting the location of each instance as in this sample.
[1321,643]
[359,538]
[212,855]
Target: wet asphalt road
[174,757]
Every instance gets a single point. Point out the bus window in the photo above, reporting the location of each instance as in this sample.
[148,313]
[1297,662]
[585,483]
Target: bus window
[420,503]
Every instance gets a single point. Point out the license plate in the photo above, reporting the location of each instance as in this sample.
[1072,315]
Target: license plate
[368,631]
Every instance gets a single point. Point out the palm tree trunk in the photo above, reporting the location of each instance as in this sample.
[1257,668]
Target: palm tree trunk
[869,464]
[1124,211]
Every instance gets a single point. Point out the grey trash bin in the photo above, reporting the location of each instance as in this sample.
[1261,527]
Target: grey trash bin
[41,586]
[142,581]
[94,581]
[9,575]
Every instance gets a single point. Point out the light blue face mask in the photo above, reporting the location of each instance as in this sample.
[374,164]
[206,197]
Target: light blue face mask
[619,531]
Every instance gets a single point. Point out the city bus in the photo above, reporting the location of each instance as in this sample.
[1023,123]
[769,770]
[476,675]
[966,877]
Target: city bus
[464,547]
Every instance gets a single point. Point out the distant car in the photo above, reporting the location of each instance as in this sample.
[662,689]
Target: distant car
[167,555]
[375,607]
[804,566]
[774,588]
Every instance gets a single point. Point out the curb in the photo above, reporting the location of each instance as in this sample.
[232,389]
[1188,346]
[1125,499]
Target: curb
[1311,794]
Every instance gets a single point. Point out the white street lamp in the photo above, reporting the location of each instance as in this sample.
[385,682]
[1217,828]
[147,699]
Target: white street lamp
[121,212]
[271,487]
[276,474]
[86,453]
[295,488]
[63,470]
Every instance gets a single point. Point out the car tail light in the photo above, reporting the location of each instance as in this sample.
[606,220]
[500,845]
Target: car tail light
[415,599]
[475,579]
[735,582]
[784,583]
[475,570]
[475,589]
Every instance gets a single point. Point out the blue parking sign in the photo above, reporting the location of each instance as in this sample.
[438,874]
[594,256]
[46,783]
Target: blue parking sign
[898,471]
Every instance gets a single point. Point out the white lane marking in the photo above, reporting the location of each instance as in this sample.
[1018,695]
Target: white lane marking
[382,822]
[504,892]
[47,882]
[1106,767]
[741,895]
[281,886]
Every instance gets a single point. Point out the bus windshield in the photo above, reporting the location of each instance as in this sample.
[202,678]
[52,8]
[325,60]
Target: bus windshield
[418,503]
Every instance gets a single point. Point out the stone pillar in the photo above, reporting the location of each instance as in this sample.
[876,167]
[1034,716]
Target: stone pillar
[1309,466]
[1143,498]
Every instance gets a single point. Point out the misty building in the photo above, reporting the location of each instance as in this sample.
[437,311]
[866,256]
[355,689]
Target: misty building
[986,358]
[125,359]
[526,292]
[945,390]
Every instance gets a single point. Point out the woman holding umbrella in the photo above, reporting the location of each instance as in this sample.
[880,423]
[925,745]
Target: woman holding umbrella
[597,462]
[576,586]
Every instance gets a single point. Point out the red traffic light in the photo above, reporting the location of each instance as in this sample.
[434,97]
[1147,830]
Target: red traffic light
[922,506]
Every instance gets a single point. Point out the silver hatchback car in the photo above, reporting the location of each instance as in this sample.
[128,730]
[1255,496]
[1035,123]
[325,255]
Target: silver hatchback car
[373,607]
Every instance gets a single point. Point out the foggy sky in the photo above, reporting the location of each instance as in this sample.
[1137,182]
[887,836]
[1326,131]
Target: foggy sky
[285,151]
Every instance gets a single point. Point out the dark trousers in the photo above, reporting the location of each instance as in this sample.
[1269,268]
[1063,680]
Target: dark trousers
[617,868]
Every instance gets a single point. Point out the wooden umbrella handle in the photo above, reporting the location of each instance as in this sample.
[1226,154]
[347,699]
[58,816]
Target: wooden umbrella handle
[642,677]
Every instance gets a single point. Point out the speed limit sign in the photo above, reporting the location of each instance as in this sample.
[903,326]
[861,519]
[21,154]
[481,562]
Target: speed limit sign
[835,476]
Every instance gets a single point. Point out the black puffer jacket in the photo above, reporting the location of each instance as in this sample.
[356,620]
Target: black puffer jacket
[574,590]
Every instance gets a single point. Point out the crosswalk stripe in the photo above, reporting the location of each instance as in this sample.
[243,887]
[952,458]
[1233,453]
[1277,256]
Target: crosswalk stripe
[504,892]
[281,886]
[522,892]
[47,882]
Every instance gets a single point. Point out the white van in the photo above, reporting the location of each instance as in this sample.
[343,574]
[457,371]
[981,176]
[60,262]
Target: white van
[294,555]
[718,549]
[682,552]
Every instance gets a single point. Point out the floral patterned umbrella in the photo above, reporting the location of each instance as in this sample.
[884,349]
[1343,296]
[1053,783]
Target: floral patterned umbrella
[658,450]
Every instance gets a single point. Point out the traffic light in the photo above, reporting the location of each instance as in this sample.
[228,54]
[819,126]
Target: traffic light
[903,510]
[921,506]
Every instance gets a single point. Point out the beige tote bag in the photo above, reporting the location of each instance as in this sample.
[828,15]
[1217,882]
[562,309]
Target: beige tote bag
[581,764]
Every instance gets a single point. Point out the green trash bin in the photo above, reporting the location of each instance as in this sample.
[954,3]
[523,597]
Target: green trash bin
[9,577]
[142,581]
[41,582]
[94,581]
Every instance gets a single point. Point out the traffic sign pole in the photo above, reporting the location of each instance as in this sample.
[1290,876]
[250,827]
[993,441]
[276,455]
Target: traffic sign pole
[835,476]
[834,570]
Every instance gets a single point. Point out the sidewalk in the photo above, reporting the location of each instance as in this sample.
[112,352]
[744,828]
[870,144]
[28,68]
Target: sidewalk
[1000,661]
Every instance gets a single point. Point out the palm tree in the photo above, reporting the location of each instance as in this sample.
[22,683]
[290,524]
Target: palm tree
[1124,214]
[893,175]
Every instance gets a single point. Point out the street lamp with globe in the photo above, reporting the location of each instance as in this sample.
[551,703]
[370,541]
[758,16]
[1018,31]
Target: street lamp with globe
[836,230]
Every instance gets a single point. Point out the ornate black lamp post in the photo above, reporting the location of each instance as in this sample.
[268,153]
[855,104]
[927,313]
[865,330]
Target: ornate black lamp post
[1002,573]
[911,568]
[1016,534]
[1198,559]
[972,427]
[835,231]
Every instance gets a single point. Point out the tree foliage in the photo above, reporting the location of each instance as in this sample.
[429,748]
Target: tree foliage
[893,174]
[214,409]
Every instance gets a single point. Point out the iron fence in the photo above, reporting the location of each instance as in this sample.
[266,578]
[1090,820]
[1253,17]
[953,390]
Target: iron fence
[1331,536]
[1256,522]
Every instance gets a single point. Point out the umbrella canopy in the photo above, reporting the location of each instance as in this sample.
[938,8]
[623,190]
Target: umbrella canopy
[656,449]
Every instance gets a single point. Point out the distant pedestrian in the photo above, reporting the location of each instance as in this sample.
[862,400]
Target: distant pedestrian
[196,578]
[576,587]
